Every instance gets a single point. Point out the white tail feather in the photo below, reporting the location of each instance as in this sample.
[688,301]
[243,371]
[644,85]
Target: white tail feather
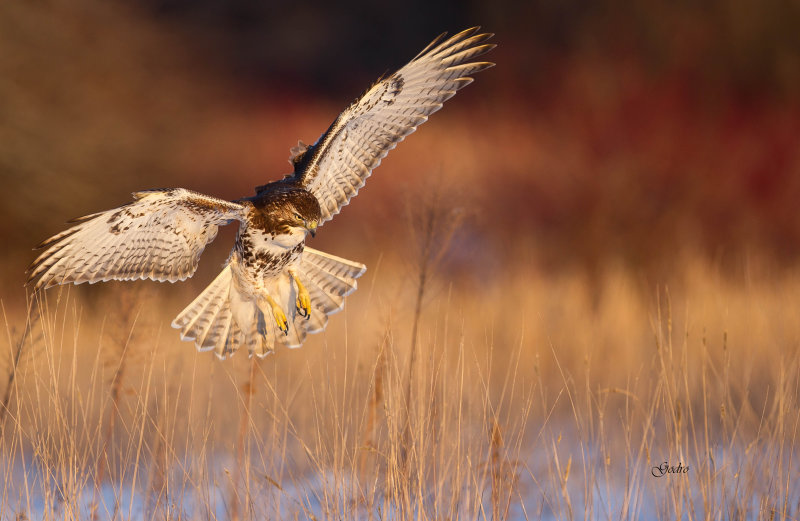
[223,318]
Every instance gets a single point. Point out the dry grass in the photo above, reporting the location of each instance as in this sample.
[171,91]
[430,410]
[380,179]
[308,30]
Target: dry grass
[531,399]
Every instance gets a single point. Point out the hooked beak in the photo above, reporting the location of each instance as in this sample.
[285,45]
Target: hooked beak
[312,228]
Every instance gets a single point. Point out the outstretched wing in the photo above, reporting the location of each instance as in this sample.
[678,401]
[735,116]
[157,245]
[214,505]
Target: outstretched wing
[338,164]
[159,236]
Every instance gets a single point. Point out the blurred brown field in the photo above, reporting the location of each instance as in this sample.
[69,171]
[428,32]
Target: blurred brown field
[619,291]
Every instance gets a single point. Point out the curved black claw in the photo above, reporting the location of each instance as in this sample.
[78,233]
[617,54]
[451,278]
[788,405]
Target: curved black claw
[283,325]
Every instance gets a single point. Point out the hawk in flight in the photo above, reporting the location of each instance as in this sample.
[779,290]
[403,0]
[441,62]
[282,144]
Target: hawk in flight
[273,289]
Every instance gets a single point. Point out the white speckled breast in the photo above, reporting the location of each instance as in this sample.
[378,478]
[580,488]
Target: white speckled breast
[261,256]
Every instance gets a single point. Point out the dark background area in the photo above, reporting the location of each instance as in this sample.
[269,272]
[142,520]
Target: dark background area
[609,132]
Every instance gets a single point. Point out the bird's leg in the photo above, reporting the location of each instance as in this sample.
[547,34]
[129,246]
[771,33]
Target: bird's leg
[277,314]
[303,302]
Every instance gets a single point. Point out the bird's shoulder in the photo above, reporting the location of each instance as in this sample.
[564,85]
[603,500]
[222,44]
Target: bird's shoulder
[275,189]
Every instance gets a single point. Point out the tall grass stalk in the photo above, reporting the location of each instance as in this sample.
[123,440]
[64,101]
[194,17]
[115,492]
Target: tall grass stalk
[15,356]
[117,351]
[433,221]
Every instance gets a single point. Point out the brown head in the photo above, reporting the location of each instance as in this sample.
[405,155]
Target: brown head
[284,207]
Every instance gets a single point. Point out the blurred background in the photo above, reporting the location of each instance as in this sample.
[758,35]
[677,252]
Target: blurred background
[609,133]
[626,171]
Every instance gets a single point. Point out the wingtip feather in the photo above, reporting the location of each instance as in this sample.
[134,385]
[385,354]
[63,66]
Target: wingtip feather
[421,86]
[50,241]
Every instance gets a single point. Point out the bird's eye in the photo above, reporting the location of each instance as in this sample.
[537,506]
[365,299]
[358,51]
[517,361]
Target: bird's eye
[298,216]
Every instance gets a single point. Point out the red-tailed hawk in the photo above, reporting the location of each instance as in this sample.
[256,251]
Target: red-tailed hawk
[273,289]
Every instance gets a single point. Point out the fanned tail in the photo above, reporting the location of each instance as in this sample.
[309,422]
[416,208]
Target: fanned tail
[209,321]
[223,319]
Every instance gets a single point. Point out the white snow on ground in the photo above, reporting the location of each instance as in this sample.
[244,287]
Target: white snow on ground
[337,495]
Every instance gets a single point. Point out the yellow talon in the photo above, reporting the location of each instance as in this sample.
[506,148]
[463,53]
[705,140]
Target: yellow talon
[280,318]
[303,302]
[278,315]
